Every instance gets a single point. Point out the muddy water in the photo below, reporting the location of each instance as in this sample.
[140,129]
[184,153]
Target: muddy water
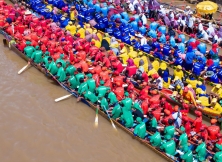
[34,128]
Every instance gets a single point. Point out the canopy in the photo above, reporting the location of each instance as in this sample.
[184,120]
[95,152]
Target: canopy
[206,7]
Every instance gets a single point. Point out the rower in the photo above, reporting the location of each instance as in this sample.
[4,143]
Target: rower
[102,90]
[215,105]
[61,75]
[83,87]
[91,83]
[79,75]
[140,129]
[183,139]
[169,147]
[126,102]
[116,111]
[188,155]
[169,130]
[112,98]
[28,50]
[201,150]
[53,69]
[37,56]
[155,139]
[45,59]
[127,118]
[70,68]
[213,130]
[197,123]
[152,124]
[61,59]
[72,83]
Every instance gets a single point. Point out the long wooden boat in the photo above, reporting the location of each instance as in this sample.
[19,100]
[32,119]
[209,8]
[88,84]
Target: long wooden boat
[6,42]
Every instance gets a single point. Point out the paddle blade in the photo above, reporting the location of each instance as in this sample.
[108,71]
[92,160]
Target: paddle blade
[62,98]
[113,125]
[20,71]
[96,120]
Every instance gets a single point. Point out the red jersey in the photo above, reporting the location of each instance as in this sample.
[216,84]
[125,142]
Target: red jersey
[106,62]
[131,70]
[213,130]
[168,106]
[118,80]
[104,75]
[145,77]
[144,93]
[165,120]
[197,124]
[187,126]
[145,105]
[119,92]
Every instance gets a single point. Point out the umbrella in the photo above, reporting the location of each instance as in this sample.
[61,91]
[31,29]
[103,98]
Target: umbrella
[206,7]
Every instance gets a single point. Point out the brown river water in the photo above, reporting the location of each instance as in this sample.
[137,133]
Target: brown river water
[34,128]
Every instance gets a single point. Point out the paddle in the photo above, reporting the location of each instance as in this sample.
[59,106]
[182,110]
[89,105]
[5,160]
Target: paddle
[110,119]
[63,98]
[96,118]
[20,71]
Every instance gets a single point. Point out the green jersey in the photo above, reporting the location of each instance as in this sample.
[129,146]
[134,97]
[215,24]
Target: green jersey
[29,50]
[78,76]
[169,147]
[53,69]
[127,117]
[90,96]
[37,56]
[155,139]
[104,104]
[137,106]
[140,130]
[188,156]
[116,112]
[46,62]
[219,147]
[102,90]
[218,156]
[169,130]
[201,151]
[91,84]
[183,140]
[70,69]
[82,88]
[153,122]
[72,81]
[127,102]
[62,61]
[112,98]
[61,74]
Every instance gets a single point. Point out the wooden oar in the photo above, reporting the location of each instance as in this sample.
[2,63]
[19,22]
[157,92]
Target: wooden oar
[96,118]
[110,119]
[63,98]
[20,71]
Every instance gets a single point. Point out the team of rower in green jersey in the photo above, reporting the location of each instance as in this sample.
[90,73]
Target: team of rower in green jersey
[122,111]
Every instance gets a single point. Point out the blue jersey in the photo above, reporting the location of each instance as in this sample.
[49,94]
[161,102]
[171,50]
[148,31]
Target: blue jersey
[191,40]
[212,68]
[126,39]
[97,7]
[104,11]
[181,46]
[105,21]
[117,34]
[142,30]
[137,18]
[182,37]
[219,74]
[132,32]
[158,55]
[152,34]
[146,48]
[172,42]
[134,25]
[155,45]
[197,68]
[125,16]
[202,48]
[162,39]
[214,79]
[97,16]
[166,50]
[178,61]
[137,45]
[177,53]
[153,26]
[109,31]
[162,29]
